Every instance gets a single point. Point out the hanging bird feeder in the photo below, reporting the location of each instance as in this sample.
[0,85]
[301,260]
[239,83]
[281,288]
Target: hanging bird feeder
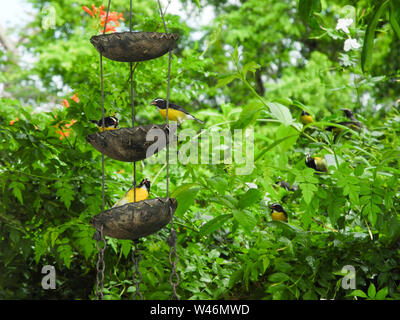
[136,220]
[134,46]
[128,144]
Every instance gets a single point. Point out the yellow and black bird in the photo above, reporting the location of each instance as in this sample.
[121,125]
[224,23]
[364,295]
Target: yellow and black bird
[306,118]
[353,124]
[278,213]
[285,185]
[142,193]
[317,163]
[175,112]
[110,123]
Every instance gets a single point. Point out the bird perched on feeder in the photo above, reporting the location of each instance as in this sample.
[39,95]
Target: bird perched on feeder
[142,193]
[175,112]
[306,118]
[110,123]
[278,213]
[317,163]
[353,124]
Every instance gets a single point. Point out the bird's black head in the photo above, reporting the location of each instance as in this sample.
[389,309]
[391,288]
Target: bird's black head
[277,207]
[146,183]
[159,103]
[348,113]
[304,113]
[310,162]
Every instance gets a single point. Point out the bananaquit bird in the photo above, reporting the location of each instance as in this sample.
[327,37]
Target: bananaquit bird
[110,123]
[278,213]
[175,112]
[353,124]
[317,163]
[306,118]
[142,193]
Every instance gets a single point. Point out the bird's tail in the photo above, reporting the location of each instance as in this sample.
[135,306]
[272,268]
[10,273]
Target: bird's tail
[93,121]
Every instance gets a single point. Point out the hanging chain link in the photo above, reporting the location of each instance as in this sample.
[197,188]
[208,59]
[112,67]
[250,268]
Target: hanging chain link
[100,265]
[173,258]
[137,276]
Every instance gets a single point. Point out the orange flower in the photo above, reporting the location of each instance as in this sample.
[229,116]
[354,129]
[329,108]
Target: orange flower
[13,121]
[75,98]
[112,19]
[101,11]
[110,28]
[70,124]
[65,103]
[64,133]
[88,11]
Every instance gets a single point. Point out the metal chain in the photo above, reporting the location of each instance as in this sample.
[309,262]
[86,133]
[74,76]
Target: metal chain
[173,258]
[100,265]
[137,276]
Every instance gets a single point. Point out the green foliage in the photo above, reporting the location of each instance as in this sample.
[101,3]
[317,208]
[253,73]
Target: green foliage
[257,67]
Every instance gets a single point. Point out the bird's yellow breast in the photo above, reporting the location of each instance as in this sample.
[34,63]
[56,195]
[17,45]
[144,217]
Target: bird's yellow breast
[306,119]
[106,128]
[141,194]
[173,115]
[278,216]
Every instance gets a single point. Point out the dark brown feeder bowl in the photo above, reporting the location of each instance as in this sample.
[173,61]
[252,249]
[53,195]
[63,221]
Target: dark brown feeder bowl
[128,144]
[134,46]
[136,220]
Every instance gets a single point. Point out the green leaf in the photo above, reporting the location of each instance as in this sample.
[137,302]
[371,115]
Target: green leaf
[65,254]
[235,55]
[247,116]
[306,9]
[281,113]
[381,294]
[265,264]
[302,106]
[249,198]
[358,293]
[183,188]
[393,21]
[251,66]
[185,200]
[224,81]
[273,145]
[278,277]
[245,218]
[17,187]
[126,246]
[218,184]
[371,291]
[197,3]
[366,53]
[214,224]
[287,131]
[65,193]
[308,190]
